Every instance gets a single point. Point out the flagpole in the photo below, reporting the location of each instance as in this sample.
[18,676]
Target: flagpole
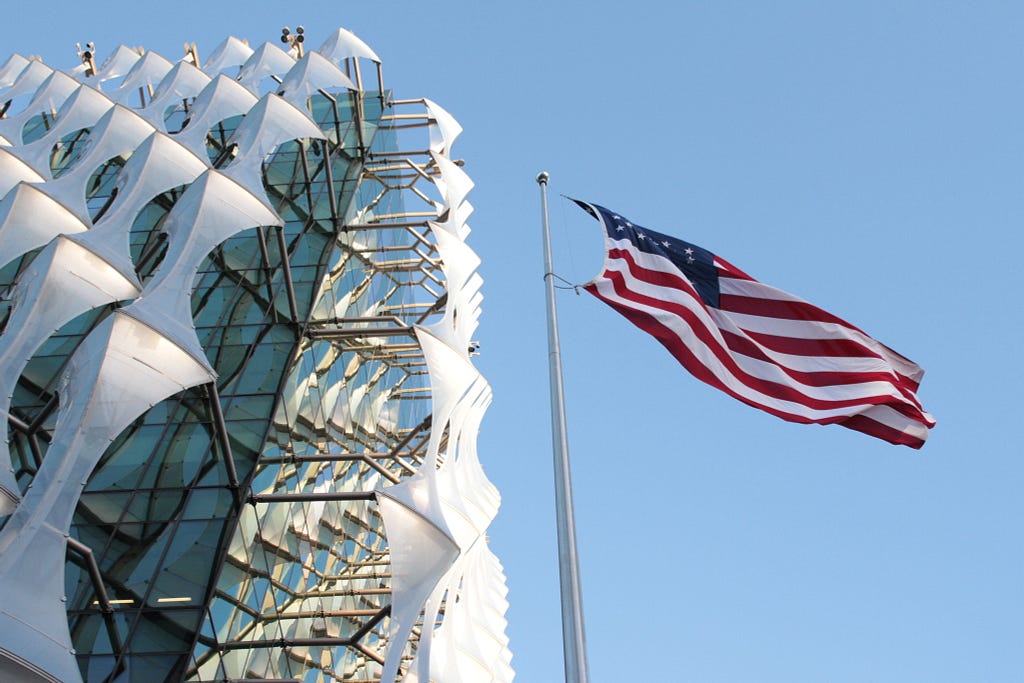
[573,637]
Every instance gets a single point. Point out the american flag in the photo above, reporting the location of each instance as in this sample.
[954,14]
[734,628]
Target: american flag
[758,344]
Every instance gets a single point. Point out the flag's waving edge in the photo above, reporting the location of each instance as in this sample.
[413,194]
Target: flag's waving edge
[758,344]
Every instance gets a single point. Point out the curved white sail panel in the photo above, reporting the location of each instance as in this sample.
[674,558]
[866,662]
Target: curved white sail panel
[222,98]
[121,369]
[117,134]
[29,218]
[52,93]
[269,123]
[28,80]
[82,109]
[14,65]
[13,171]
[268,60]
[145,75]
[118,63]
[181,84]
[311,74]
[212,209]
[65,280]
[232,52]
[343,44]
[445,129]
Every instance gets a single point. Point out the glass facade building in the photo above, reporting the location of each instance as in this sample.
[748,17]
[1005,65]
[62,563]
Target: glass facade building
[238,313]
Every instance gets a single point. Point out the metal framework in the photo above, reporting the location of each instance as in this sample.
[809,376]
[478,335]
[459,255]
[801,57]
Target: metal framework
[260,411]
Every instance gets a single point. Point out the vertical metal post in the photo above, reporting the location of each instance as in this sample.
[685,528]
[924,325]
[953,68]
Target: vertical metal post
[573,637]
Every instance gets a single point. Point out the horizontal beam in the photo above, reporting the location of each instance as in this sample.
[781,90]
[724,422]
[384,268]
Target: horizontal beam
[342,333]
[310,497]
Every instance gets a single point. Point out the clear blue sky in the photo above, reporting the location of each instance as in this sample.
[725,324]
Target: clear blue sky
[866,156]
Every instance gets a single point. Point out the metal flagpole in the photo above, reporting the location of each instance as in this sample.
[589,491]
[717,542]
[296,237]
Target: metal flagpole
[573,638]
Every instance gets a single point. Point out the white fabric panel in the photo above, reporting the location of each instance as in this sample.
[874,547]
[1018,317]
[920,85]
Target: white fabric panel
[454,184]
[419,670]
[445,128]
[268,60]
[29,218]
[269,123]
[470,646]
[470,318]
[121,369]
[212,209]
[467,501]
[9,72]
[82,109]
[147,73]
[63,281]
[419,493]
[118,63]
[421,554]
[183,82]
[28,81]
[157,165]
[118,133]
[53,92]
[222,98]
[461,219]
[459,263]
[34,623]
[13,171]
[477,500]
[343,44]
[451,375]
[231,52]
[312,73]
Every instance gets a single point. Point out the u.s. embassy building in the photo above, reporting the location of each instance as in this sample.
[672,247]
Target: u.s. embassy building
[237,318]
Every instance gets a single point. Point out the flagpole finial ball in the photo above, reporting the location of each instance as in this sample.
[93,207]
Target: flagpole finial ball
[542,177]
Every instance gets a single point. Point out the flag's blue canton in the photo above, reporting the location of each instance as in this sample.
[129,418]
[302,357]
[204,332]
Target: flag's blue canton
[696,263]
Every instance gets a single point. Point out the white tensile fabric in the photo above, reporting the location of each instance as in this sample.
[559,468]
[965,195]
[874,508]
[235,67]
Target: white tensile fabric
[182,83]
[74,274]
[118,63]
[65,280]
[268,60]
[14,65]
[145,74]
[82,109]
[159,164]
[13,171]
[52,93]
[343,44]
[116,134]
[29,218]
[269,123]
[211,210]
[28,80]
[445,129]
[221,99]
[436,520]
[232,52]
[460,264]
[312,73]
[22,227]
[122,368]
